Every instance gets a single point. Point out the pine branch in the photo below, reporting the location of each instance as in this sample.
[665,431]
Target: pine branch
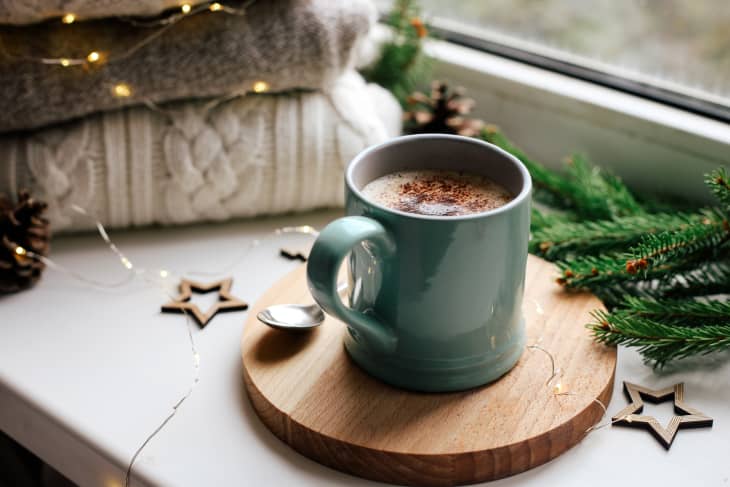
[598,193]
[544,219]
[708,279]
[594,272]
[606,240]
[657,203]
[703,279]
[402,67]
[584,189]
[659,342]
[647,259]
[562,240]
[678,312]
[719,184]
[657,249]
[614,295]
[543,178]
[657,256]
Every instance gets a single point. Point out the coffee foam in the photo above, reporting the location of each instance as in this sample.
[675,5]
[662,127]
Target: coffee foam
[437,192]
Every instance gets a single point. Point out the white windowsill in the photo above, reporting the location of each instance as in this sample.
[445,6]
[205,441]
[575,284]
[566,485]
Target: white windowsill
[86,375]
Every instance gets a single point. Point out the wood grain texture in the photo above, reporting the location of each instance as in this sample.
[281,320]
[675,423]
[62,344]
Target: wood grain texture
[313,397]
[226,301]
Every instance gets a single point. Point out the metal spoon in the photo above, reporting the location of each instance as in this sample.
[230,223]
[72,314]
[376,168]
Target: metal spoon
[294,317]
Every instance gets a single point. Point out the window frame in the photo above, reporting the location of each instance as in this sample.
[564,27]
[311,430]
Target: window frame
[654,146]
[666,92]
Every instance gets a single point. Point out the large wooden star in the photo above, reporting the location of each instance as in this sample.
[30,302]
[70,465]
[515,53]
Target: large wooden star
[226,301]
[691,418]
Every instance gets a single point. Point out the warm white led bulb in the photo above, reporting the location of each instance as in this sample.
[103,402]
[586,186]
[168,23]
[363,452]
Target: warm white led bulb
[65,62]
[215,7]
[185,7]
[260,87]
[68,18]
[122,90]
[20,251]
[93,57]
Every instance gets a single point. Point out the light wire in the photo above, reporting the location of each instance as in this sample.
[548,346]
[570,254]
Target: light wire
[133,272]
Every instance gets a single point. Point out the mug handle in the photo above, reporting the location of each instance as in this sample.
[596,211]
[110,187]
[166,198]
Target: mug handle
[323,265]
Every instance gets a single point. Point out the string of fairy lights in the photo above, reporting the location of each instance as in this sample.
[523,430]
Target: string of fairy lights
[96,58]
[555,382]
[160,278]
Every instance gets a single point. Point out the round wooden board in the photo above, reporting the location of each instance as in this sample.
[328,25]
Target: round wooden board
[312,396]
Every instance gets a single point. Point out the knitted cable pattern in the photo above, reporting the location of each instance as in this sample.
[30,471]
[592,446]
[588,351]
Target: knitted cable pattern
[201,161]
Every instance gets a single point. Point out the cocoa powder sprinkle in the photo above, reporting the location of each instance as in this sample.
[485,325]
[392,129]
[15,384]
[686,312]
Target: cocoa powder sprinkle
[437,193]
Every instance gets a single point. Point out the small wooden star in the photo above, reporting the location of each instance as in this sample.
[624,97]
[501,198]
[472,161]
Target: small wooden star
[298,253]
[226,301]
[691,418]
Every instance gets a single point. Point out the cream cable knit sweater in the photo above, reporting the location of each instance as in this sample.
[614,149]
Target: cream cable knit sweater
[286,43]
[196,160]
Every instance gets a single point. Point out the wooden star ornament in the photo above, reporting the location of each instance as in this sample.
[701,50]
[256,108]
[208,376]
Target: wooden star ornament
[226,301]
[296,253]
[690,417]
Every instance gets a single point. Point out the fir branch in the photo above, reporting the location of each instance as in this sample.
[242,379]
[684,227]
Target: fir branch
[543,219]
[584,189]
[659,342]
[543,178]
[644,257]
[598,193]
[613,295]
[719,184]
[657,256]
[702,237]
[595,272]
[702,279]
[563,240]
[707,279]
[679,312]
[592,271]
[608,241]
[402,66]
[658,203]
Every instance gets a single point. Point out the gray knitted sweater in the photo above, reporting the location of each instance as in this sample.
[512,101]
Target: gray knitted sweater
[30,11]
[286,43]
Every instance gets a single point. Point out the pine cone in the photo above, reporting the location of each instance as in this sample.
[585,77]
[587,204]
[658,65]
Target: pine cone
[442,112]
[21,226]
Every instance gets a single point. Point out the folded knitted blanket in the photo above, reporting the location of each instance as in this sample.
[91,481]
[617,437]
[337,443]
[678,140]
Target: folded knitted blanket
[29,11]
[286,43]
[198,160]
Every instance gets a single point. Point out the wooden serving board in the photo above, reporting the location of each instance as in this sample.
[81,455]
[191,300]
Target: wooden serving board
[312,396]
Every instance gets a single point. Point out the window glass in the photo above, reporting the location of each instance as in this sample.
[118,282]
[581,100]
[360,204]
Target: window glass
[676,45]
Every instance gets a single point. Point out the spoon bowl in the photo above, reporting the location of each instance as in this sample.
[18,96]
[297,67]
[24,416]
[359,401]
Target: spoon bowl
[292,317]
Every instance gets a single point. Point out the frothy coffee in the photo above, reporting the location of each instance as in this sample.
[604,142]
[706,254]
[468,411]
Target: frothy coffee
[437,192]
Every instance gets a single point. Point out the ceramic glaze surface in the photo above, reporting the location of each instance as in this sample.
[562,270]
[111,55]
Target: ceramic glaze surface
[436,301]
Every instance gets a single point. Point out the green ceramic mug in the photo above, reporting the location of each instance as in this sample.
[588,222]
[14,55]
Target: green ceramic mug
[435,301]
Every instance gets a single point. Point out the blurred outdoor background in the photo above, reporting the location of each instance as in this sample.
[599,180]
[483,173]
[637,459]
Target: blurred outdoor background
[683,43]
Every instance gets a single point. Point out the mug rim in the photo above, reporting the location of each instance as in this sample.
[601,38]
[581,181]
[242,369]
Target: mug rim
[516,201]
